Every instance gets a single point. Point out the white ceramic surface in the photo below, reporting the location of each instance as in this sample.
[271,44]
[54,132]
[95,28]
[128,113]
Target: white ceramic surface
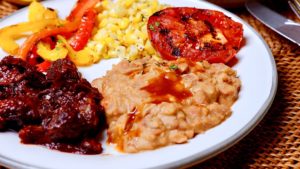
[256,69]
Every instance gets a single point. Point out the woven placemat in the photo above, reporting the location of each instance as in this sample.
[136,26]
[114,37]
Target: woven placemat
[6,8]
[275,142]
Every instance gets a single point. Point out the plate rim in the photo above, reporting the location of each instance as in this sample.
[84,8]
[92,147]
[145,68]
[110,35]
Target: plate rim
[212,151]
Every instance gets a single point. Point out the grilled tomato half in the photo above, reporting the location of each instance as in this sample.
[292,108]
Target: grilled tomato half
[196,34]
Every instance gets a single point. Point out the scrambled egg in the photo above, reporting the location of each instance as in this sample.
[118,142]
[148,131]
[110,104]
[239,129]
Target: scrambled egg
[122,29]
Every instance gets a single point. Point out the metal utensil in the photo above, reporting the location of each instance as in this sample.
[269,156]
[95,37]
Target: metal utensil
[285,27]
[295,6]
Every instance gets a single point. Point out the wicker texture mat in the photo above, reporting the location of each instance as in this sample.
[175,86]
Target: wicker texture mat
[6,8]
[275,142]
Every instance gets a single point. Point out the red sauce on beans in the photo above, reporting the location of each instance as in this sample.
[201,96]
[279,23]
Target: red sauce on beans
[167,88]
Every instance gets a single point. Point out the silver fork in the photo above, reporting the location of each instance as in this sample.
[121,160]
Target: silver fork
[295,6]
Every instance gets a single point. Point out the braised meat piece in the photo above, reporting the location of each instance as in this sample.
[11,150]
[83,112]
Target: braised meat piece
[19,86]
[60,109]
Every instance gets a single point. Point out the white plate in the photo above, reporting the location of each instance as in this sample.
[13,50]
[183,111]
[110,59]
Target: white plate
[256,69]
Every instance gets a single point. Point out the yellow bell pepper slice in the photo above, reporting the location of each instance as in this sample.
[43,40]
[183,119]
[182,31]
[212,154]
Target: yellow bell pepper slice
[83,57]
[9,45]
[9,34]
[59,52]
[38,12]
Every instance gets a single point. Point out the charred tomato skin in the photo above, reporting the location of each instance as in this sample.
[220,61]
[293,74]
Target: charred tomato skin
[196,34]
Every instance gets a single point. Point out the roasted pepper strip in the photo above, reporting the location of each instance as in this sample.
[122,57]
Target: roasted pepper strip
[33,59]
[9,34]
[33,39]
[77,13]
[38,12]
[44,66]
[83,57]
[45,51]
[80,8]
[81,37]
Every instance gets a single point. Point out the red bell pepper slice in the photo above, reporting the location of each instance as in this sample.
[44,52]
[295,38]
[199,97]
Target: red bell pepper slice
[33,39]
[44,66]
[75,17]
[81,7]
[50,41]
[81,37]
[32,59]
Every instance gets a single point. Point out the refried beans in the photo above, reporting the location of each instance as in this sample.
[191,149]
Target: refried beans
[150,103]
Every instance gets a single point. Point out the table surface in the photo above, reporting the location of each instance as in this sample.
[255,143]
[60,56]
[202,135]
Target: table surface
[275,142]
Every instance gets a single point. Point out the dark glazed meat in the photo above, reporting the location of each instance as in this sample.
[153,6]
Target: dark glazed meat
[60,109]
[19,86]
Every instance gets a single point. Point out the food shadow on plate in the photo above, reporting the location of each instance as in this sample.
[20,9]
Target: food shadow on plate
[235,60]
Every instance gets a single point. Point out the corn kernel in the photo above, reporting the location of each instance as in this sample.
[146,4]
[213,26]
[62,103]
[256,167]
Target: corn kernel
[155,5]
[112,27]
[103,23]
[142,6]
[142,35]
[137,18]
[106,57]
[105,3]
[124,23]
[129,39]
[108,40]
[149,48]
[99,17]
[128,3]
[113,13]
